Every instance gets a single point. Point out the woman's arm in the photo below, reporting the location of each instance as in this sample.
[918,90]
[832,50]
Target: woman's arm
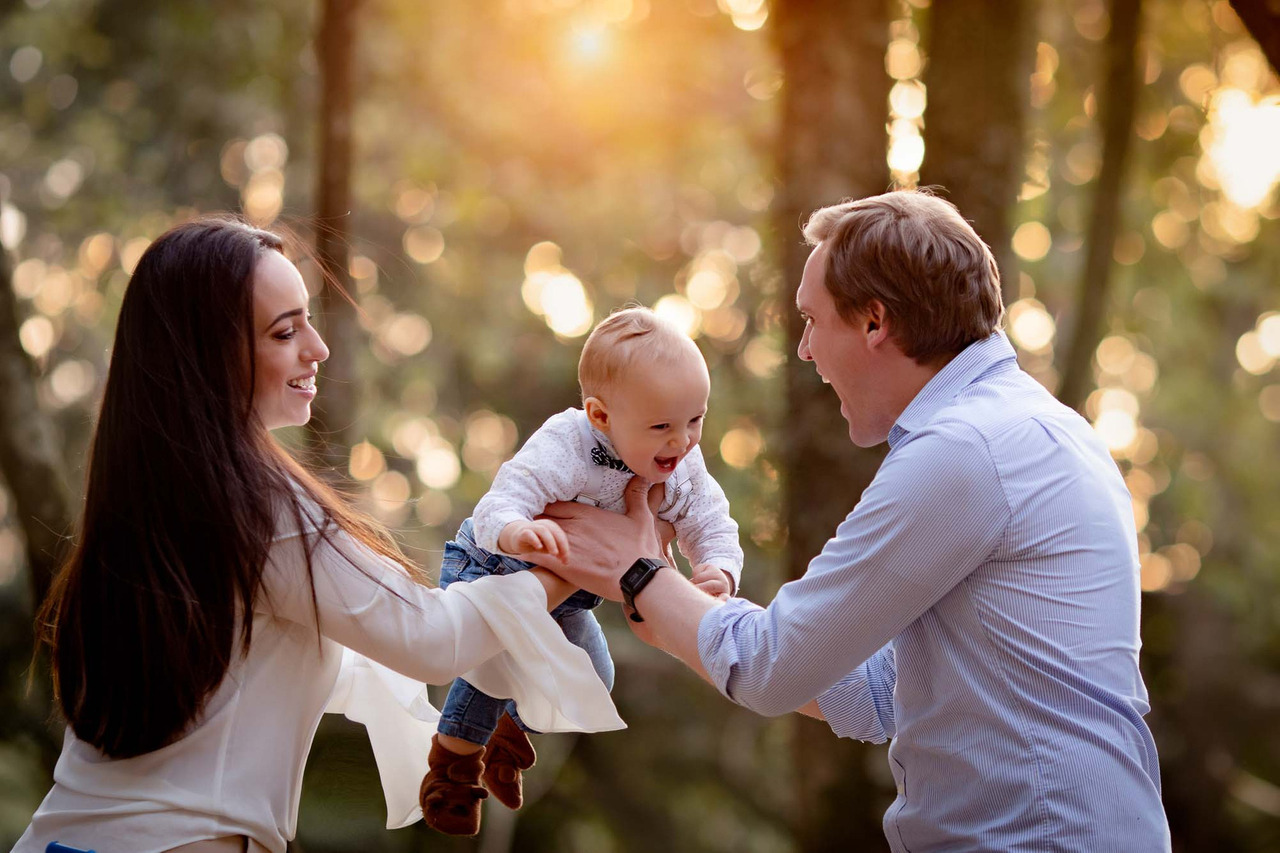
[368,603]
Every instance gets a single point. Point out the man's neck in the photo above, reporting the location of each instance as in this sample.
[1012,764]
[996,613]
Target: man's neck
[909,380]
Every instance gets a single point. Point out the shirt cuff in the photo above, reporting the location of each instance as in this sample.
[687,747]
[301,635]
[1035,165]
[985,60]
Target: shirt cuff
[717,646]
[852,707]
[488,529]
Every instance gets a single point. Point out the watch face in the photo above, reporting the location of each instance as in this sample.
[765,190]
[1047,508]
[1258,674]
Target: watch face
[635,578]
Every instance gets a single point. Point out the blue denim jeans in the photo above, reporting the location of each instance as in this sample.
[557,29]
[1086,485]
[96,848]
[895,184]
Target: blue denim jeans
[471,715]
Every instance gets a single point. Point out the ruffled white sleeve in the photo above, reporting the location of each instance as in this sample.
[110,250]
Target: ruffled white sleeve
[401,635]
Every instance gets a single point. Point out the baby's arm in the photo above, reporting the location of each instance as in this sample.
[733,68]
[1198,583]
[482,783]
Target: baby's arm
[713,581]
[550,467]
[543,536]
[707,533]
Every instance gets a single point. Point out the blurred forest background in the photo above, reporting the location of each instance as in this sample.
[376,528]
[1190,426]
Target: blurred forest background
[489,178]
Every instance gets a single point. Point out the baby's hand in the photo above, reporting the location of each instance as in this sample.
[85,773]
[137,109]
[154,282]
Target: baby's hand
[543,536]
[712,581]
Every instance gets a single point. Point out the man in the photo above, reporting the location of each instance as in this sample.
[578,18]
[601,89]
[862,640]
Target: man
[979,605]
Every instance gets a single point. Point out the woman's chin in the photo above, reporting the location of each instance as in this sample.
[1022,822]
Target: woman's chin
[283,421]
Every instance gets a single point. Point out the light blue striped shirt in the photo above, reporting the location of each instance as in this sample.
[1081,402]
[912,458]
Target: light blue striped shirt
[980,607]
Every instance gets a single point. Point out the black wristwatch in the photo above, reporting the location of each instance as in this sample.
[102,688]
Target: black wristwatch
[634,580]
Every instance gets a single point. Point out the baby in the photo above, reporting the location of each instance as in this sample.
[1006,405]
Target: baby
[644,396]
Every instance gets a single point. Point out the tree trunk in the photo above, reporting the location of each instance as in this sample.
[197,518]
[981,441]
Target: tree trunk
[29,458]
[1117,99]
[980,54]
[831,145]
[1262,19]
[333,428]
[32,469]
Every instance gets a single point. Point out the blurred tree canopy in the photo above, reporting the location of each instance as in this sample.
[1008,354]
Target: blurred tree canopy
[520,168]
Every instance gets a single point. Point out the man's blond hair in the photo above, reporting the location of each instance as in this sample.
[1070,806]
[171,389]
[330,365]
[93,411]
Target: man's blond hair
[626,337]
[916,255]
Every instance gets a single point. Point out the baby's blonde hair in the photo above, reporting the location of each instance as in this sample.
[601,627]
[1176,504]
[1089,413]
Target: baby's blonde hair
[624,338]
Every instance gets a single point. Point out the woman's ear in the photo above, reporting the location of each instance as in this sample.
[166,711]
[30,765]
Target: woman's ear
[597,414]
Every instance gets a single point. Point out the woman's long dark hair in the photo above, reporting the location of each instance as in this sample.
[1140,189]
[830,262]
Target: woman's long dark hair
[185,489]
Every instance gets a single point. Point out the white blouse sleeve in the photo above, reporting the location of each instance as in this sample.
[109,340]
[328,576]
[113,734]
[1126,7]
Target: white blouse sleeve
[494,631]
[368,604]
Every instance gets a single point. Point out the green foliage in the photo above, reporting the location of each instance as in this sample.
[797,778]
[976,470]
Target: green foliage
[640,144]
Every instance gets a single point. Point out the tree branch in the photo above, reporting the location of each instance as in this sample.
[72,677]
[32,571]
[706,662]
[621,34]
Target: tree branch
[332,429]
[1116,104]
[1262,19]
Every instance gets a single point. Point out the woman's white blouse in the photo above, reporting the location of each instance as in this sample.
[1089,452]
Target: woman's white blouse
[238,770]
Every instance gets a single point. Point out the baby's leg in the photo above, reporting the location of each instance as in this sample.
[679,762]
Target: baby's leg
[468,718]
[583,630]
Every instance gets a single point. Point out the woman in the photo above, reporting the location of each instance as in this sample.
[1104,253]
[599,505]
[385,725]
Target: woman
[197,630]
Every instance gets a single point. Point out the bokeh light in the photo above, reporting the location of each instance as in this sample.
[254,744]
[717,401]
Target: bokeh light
[565,305]
[740,446]
[555,294]
[366,462]
[424,244]
[680,312]
[434,508]
[437,466]
[37,336]
[906,147]
[762,357]
[749,15]
[1032,241]
[489,440]
[13,226]
[390,493]
[1030,325]
[907,99]
[1252,355]
[406,334]
[72,381]
[1269,403]
[1241,152]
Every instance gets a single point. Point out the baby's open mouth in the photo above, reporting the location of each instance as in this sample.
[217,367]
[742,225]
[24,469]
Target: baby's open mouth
[666,463]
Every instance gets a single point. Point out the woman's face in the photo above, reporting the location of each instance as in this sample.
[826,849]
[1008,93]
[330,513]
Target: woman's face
[287,348]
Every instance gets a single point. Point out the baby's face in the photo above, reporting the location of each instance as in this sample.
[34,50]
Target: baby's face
[654,415]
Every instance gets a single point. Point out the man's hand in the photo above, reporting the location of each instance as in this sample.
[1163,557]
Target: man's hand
[525,538]
[713,581]
[604,544]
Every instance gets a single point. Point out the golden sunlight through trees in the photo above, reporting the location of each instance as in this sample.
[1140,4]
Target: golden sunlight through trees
[555,294]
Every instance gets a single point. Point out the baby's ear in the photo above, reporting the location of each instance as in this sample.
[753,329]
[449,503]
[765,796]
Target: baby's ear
[597,414]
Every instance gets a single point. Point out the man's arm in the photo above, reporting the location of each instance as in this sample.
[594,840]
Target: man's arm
[934,513]
[860,705]
[605,544]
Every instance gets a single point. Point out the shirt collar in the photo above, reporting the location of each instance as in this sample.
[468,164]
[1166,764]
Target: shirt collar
[968,365]
[603,453]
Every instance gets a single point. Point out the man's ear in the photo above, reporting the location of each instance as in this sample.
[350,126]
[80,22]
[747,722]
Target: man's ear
[597,414]
[875,322]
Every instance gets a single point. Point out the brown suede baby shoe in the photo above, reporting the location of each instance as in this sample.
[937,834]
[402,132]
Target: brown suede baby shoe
[508,754]
[451,793]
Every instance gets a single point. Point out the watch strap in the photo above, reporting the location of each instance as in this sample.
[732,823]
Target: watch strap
[634,580]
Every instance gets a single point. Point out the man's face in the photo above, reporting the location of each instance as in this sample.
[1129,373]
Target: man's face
[842,353]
